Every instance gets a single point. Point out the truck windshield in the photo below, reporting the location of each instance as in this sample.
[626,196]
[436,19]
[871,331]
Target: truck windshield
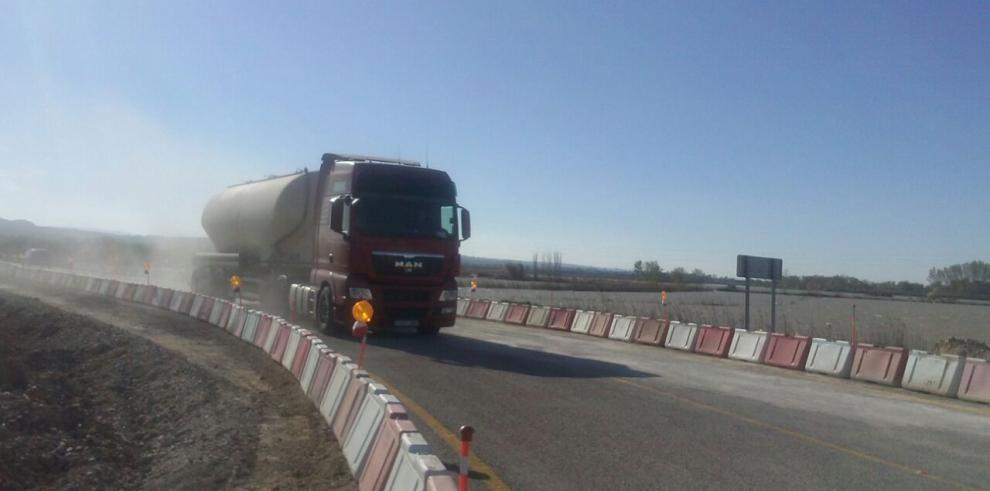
[406,217]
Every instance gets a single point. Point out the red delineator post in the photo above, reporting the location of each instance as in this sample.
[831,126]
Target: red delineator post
[467,433]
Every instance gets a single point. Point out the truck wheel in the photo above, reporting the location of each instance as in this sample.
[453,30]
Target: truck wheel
[428,330]
[325,314]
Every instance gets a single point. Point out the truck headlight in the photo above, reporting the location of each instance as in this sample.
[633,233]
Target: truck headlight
[359,293]
[448,295]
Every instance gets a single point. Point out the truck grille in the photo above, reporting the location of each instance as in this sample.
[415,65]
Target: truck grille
[395,296]
[397,263]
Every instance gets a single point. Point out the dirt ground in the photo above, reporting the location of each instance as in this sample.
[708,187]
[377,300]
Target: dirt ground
[131,397]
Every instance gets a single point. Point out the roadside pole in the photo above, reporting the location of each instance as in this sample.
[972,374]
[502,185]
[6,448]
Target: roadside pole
[235,284]
[853,339]
[663,310]
[466,433]
[363,312]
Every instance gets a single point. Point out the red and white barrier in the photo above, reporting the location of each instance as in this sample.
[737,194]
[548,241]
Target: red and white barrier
[833,358]
[496,311]
[416,468]
[681,336]
[538,316]
[561,319]
[622,328]
[582,321]
[517,314]
[935,374]
[368,421]
[975,383]
[787,351]
[879,365]
[477,309]
[600,324]
[713,340]
[650,331]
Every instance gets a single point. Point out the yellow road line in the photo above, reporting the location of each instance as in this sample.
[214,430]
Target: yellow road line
[801,436]
[494,482]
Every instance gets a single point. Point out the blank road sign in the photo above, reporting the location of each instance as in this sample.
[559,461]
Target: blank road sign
[767,268]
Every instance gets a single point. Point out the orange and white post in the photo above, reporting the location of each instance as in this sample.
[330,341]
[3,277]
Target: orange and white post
[467,433]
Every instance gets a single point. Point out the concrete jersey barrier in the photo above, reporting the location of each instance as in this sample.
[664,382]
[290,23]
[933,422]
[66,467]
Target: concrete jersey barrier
[477,309]
[600,324]
[561,319]
[496,311]
[713,340]
[878,365]
[650,331]
[582,321]
[538,316]
[462,306]
[833,358]
[681,336]
[622,328]
[787,351]
[935,374]
[517,314]
[975,383]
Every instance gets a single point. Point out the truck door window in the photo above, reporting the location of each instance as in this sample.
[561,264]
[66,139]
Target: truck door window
[448,220]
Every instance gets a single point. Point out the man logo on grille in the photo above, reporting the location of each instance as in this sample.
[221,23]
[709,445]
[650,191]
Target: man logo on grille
[408,265]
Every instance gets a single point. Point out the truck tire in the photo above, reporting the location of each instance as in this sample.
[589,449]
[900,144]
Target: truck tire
[325,313]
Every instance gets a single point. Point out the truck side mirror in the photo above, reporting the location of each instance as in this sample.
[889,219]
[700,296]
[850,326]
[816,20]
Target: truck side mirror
[465,224]
[337,210]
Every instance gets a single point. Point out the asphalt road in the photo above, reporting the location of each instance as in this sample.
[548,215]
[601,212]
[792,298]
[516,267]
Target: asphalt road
[564,411]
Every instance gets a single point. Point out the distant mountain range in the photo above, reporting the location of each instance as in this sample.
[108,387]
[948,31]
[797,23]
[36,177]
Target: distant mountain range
[29,230]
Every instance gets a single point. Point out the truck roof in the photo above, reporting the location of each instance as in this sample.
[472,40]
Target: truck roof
[335,157]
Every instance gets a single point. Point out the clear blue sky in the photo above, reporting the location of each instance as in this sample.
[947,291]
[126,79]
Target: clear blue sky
[845,137]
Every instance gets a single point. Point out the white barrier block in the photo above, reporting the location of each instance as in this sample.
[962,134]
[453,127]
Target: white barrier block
[176,302]
[290,348]
[272,334]
[496,311]
[681,336]
[748,345]
[538,316]
[215,312]
[622,327]
[253,319]
[306,377]
[196,304]
[366,425]
[339,379]
[413,465]
[582,321]
[935,374]
[829,357]
[462,306]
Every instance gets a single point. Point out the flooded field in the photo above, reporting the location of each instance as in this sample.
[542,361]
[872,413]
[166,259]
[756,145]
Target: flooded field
[912,324]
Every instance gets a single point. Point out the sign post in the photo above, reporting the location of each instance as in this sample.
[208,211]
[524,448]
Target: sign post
[766,268]
[235,285]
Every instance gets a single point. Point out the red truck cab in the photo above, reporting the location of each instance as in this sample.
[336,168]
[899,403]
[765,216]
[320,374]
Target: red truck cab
[388,232]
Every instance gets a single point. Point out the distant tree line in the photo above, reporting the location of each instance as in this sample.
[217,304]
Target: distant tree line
[849,284]
[966,280]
